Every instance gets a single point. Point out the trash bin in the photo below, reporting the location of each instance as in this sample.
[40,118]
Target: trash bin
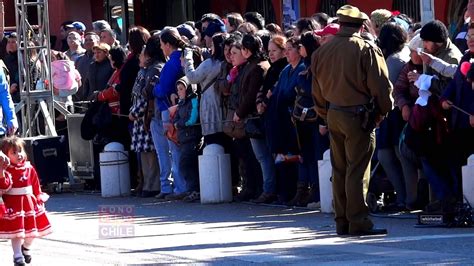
[114,171]
[214,175]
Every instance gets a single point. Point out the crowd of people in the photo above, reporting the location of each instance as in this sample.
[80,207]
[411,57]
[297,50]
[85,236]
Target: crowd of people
[265,94]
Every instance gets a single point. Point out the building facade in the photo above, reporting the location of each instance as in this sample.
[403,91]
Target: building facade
[155,14]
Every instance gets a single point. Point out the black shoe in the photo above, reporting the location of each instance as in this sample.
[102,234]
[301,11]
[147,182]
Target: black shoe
[27,257]
[148,194]
[19,261]
[245,195]
[162,196]
[435,206]
[265,198]
[369,232]
[342,230]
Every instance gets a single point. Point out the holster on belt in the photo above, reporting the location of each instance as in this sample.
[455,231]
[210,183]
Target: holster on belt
[366,112]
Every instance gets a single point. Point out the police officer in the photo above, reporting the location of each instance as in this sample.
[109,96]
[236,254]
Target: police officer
[352,92]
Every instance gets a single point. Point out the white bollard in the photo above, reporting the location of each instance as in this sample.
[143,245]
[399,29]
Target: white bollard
[114,171]
[215,180]
[325,184]
[468,180]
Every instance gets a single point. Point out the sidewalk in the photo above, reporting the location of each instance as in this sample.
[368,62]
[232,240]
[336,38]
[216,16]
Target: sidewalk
[229,234]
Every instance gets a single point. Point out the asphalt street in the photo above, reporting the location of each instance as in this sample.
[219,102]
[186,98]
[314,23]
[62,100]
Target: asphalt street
[90,230]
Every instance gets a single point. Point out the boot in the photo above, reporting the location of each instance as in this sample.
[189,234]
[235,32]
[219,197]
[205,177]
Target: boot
[313,194]
[301,197]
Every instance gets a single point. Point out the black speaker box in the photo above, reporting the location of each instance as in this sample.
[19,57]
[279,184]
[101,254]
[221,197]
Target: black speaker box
[48,156]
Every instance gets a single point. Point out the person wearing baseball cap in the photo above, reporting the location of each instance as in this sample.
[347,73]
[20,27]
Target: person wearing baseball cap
[79,27]
[327,33]
[214,27]
[350,75]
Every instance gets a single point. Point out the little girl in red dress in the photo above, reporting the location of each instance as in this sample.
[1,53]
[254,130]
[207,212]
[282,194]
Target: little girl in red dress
[25,217]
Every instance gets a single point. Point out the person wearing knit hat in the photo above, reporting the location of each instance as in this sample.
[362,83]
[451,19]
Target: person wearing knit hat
[434,31]
[436,45]
[379,17]
[189,136]
[187,31]
[416,43]
[214,27]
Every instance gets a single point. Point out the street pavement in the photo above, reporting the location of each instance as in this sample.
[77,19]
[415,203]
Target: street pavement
[90,230]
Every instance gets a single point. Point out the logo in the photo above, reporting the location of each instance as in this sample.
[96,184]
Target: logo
[116,221]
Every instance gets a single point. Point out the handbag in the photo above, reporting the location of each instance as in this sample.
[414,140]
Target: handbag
[304,109]
[233,129]
[170,129]
[254,127]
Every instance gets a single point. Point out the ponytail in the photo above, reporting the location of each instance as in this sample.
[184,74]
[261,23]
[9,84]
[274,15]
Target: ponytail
[171,35]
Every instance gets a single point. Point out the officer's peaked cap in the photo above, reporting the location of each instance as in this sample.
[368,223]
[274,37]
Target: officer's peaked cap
[351,14]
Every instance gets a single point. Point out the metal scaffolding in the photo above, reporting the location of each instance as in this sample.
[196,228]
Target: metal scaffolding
[36,107]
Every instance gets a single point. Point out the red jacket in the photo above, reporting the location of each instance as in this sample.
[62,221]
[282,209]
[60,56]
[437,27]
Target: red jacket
[110,94]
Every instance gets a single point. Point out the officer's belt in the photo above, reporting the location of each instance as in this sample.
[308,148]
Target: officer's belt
[355,109]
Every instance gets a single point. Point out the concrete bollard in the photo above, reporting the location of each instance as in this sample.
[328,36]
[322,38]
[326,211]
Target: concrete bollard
[215,179]
[114,171]
[325,184]
[468,180]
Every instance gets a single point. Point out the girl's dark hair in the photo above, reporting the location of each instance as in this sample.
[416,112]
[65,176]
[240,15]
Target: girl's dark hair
[265,36]
[273,28]
[295,41]
[118,55]
[310,42]
[392,39]
[307,24]
[137,38]
[198,26]
[254,44]
[233,38]
[153,49]
[218,40]
[234,19]
[321,18]
[171,36]
[12,143]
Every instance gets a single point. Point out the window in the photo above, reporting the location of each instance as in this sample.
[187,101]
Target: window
[330,7]
[409,7]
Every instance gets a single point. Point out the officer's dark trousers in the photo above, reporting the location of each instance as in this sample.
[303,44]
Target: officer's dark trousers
[351,151]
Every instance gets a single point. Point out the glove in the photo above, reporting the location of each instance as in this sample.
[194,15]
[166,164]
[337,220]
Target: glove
[93,96]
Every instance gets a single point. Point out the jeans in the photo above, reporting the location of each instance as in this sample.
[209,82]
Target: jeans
[248,166]
[410,164]
[162,152]
[309,138]
[267,164]
[179,182]
[189,164]
[438,175]
[389,159]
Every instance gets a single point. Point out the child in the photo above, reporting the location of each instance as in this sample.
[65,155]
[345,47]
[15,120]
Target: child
[189,136]
[66,79]
[26,217]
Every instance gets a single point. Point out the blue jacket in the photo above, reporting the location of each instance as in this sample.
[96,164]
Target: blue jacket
[171,72]
[7,106]
[281,133]
[460,93]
